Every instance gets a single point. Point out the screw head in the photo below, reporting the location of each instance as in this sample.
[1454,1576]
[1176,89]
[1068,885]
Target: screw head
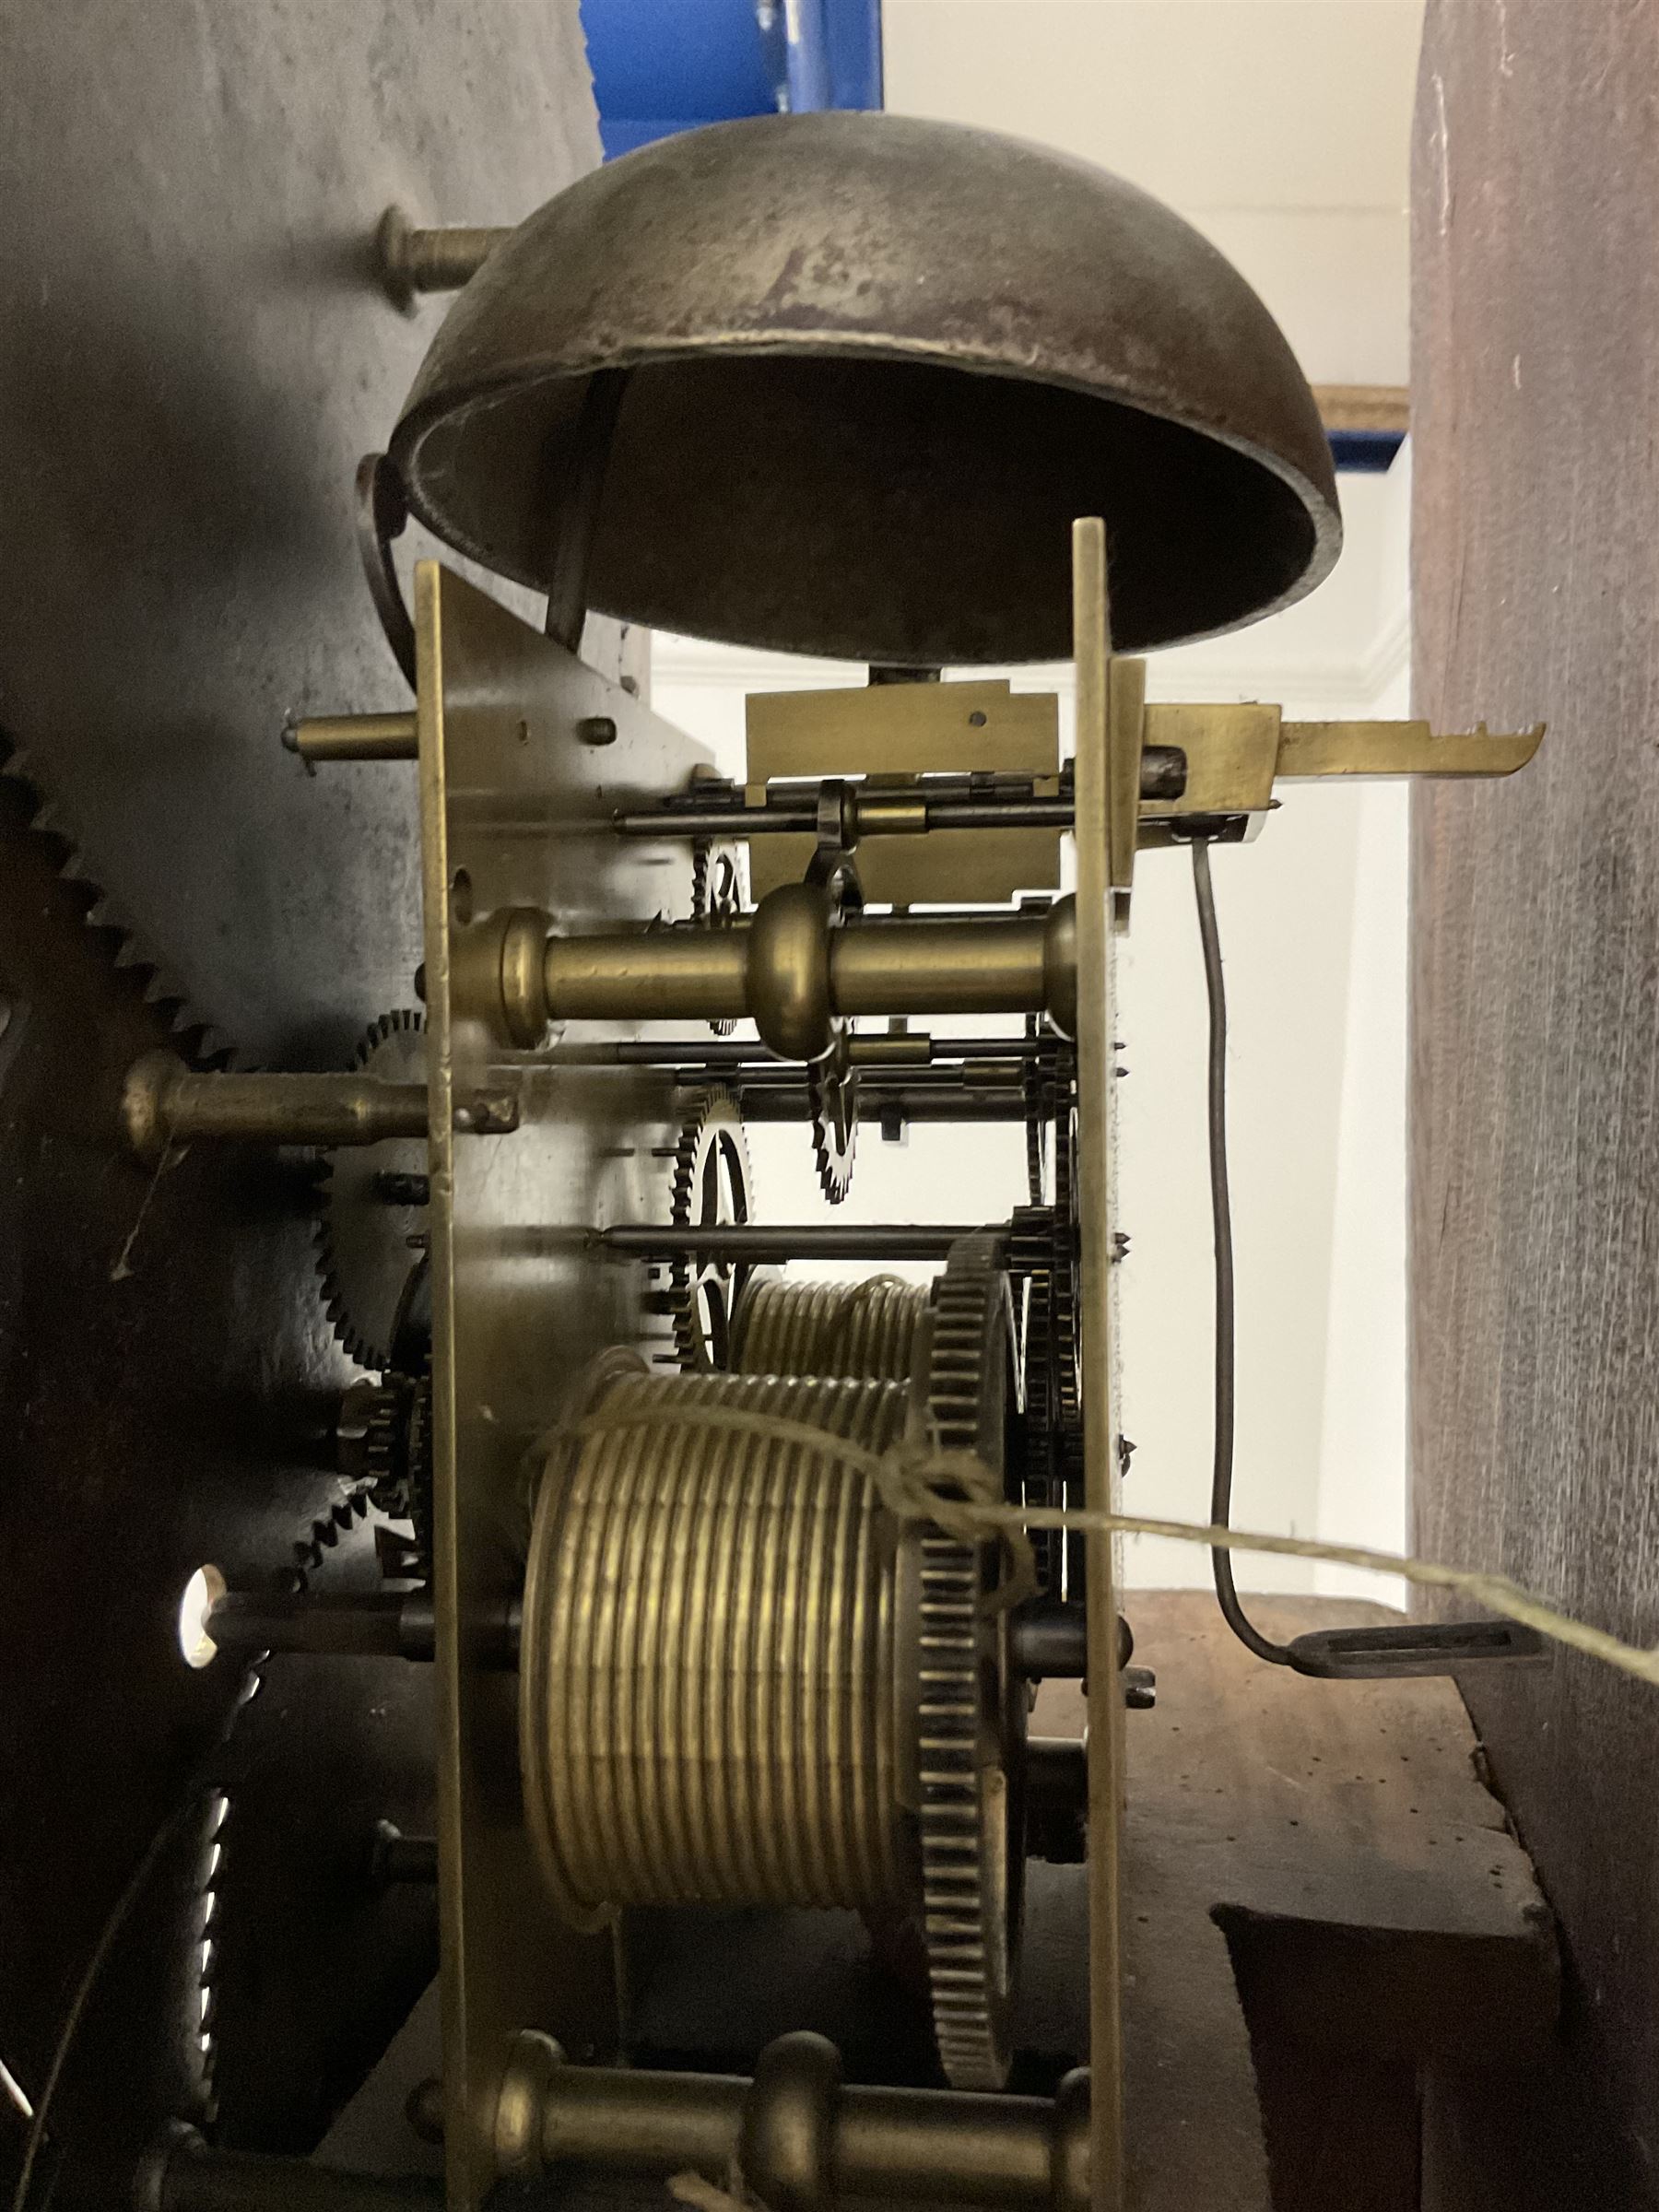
[424,2110]
[596,729]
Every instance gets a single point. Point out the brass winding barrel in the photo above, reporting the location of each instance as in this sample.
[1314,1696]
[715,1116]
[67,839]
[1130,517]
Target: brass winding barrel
[708,1658]
[784,1327]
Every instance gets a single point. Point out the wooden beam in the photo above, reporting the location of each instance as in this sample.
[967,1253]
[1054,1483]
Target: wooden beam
[1364,407]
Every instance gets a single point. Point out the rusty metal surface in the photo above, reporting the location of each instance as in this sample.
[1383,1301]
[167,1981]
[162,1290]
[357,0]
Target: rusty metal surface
[194,352]
[878,366]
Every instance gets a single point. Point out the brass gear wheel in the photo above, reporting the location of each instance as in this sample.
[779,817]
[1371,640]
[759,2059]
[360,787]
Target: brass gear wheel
[713,1184]
[831,1078]
[832,1101]
[364,1254]
[1043,1250]
[1039,1109]
[969,1716]
[847,1728]
[391,1453]
[719,895]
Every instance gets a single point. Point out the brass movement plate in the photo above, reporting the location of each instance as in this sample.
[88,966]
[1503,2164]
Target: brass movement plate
[888,730]
[1125,736]
[515,810]
[1098,780]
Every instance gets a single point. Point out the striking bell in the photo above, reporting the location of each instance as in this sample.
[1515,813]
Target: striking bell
[875,367]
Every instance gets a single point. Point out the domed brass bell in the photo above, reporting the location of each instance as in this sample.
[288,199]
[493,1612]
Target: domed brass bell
[875,367]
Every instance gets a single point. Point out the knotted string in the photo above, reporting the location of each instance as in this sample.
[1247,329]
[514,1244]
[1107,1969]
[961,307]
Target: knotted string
[953,1491]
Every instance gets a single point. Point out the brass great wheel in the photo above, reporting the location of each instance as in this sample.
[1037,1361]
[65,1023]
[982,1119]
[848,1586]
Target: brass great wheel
[969,1726]
[723,1621]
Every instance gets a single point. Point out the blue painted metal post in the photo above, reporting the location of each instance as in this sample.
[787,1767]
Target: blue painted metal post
[665,66]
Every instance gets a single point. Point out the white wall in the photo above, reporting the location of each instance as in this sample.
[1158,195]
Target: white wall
[1364,1449]
[1279,127]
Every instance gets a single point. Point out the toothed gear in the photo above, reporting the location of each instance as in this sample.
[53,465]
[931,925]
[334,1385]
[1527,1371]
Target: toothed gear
[310,1550]
[1043,1249]
[1039,1109]
[712,1185]
[396,1451]
[1065,1317]
[192,1032]
[970,1718]
[419,1448]
[1064,1288]
[364,1254]
[383,1427]
[718,896]
[832,1103]
[267,2001]
[386,1444]
[1031,1254]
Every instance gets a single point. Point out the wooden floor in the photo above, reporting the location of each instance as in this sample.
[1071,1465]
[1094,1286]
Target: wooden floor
[1330,1849]
[1536,1019]
[1375,1906]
